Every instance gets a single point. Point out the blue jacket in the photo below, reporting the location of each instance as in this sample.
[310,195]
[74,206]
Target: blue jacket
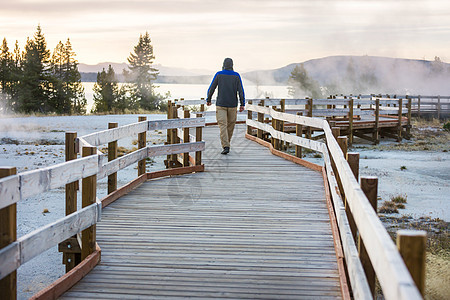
[230,84]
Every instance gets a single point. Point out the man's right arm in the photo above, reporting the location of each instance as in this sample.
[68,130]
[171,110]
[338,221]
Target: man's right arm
[211,89]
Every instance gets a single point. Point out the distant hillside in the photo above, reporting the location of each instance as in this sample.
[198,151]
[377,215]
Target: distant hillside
[366,74]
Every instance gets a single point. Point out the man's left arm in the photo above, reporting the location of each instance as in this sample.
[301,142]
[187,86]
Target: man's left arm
[241,94]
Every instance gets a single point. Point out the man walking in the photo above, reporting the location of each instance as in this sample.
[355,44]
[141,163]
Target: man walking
[230,84]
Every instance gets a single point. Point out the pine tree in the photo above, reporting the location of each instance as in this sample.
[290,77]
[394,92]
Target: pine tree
[6,64]
[106,91]
[34,82]
[67,93]
[142,74]
[301,83]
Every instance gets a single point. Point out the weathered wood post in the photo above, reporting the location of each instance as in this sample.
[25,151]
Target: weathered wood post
[399,125]
[350,122]
[169,132]
[175,139]
[310,114]
[283,145]
[186,139]
[8,235]
[376,130]
[439,107]
[89,194]
[336,131]
[142,143]
[418,106]
[353,162]
[298,132]
[369,185]
[70,257]
[408,126]
[259,132]
[112,154]
[198,138]
[274,126]
[412,247]
[342,141]
[249,117]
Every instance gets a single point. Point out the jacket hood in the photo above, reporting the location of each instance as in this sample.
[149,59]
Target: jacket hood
[227,64]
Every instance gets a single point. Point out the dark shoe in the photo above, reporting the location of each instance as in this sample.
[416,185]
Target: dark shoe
[226,150]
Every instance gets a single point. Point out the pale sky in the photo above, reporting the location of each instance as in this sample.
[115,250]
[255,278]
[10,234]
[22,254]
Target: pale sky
[257,34]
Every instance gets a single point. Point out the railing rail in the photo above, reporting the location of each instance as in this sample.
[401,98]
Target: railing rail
[394,277]
[18,187]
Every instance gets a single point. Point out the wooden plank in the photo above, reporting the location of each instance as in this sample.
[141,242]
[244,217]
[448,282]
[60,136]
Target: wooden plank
[42,239]
[175,149]
[122,162]
[9,191]
[296,140]
[42,180]
[69,279]
[106,136]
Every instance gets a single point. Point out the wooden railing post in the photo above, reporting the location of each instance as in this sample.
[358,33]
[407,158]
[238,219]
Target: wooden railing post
[399,126]
[439,107]
[249,117]
[169,132]
[418,106]
[89,194]
[283,144]
[350,122]
[376,131]
[259,132]
[412,247]
[70,258]
[369,185]
[112,154]
[186,139]
[198,138]
[298,132]
[8,235]
[353,162]
[343,144]
[142,143]
[408,126]
[310,114]
[336,131]
[274,126]
[174,157]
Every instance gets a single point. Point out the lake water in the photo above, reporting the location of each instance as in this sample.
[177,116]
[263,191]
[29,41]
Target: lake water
[197,91]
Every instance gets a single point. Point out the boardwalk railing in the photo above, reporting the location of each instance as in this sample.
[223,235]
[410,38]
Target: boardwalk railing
[94,166]
[390,269]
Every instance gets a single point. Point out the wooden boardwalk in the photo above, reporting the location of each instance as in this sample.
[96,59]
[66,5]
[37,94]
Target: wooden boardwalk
[253,225]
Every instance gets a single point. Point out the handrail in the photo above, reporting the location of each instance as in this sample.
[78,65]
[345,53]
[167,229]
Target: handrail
[15,188]
[394,277]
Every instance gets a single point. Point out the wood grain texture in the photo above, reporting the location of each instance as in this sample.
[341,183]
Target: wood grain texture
[228,232]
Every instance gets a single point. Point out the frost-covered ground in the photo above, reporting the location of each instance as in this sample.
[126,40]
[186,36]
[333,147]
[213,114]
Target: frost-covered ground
[34,142]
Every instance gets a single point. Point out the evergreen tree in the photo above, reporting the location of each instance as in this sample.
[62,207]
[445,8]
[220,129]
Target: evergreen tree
[6,64]
[106,91]
[301,83]
[142,74]
[16,74]
[67,93]
[34,83]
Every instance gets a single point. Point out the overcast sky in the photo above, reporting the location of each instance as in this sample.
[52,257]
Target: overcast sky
[257,34]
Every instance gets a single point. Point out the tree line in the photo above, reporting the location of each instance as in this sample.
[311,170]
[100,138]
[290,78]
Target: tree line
[37,80]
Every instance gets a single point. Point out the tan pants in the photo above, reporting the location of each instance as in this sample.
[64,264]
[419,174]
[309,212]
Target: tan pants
[226,118]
